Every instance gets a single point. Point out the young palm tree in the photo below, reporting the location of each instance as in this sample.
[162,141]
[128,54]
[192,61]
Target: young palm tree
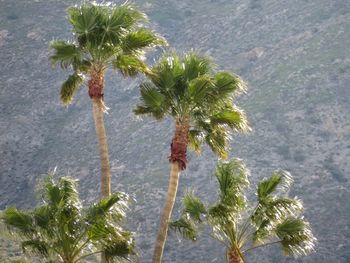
[275,218]
[62,231]
[104,36]
[201,103]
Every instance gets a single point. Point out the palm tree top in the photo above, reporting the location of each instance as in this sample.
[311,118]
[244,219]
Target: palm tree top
[61,230]
[189,89]
[275,218]
[104,35]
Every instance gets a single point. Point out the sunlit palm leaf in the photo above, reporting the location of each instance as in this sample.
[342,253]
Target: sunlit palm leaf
[140,39]
[296,237]
[70,87]
[65,53]
[194,207]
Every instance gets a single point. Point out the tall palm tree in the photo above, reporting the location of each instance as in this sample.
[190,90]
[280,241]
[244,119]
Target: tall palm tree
[274,219]
[104,36]
[200,101]
[61,230]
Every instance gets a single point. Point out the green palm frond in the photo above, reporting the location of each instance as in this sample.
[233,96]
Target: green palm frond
[232,177]
[234,118]
[194,207]
[195,140]
[120,245]
[153,102]
[127,15]
[217,139]
[68,189]
[130,65]
[70,87]
[279,181]
[42,216]
[36,246]
[115,205]
[228,84]
[140,39]
[185,227]
[84,20]
[196,65]
[18,220]
[296,237]
[199,88]
[65,53]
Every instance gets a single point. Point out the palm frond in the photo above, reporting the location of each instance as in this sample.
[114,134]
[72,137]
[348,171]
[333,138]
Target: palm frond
[36,246]
[130,65]
[195,140]
[279,180]
[19,221]
[199,88]
[114,205]
[68,189]
[232,176]
[217,138]
[127,16]
[140,39]
[42,216]
[120,245]
[194,207]
[185,227]
[84,20]
[234,118]
[196,65]
[70,87]
[65,53]
[153,101]
[296,237]
[228,84]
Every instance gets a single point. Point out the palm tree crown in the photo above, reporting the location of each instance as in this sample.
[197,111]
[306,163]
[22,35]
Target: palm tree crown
[104,36]
[189,90]
[275,218]
[62,231]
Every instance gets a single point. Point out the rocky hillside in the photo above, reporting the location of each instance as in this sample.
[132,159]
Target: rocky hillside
[295,55]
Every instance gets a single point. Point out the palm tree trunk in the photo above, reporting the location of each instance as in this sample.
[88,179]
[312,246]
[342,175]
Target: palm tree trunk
[103,147]
[178,162]
[96,85]
[234,256]
[166,214]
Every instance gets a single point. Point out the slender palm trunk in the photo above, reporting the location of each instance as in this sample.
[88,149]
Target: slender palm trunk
[167,210]
[234,256]
[96,85]
[178,162]
[103,147]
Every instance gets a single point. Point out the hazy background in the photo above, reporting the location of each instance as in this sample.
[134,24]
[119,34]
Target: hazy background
[295,55]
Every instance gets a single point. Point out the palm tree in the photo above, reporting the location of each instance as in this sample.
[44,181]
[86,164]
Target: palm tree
[200,101]
[275,218]
[104,36]
[62,231]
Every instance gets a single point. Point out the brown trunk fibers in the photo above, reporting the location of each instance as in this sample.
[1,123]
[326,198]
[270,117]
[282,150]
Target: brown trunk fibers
[178,162]
[233,256]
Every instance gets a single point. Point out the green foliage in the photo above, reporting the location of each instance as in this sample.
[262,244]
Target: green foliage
[188,87]
[62,229]
[104,36]
[276,217]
